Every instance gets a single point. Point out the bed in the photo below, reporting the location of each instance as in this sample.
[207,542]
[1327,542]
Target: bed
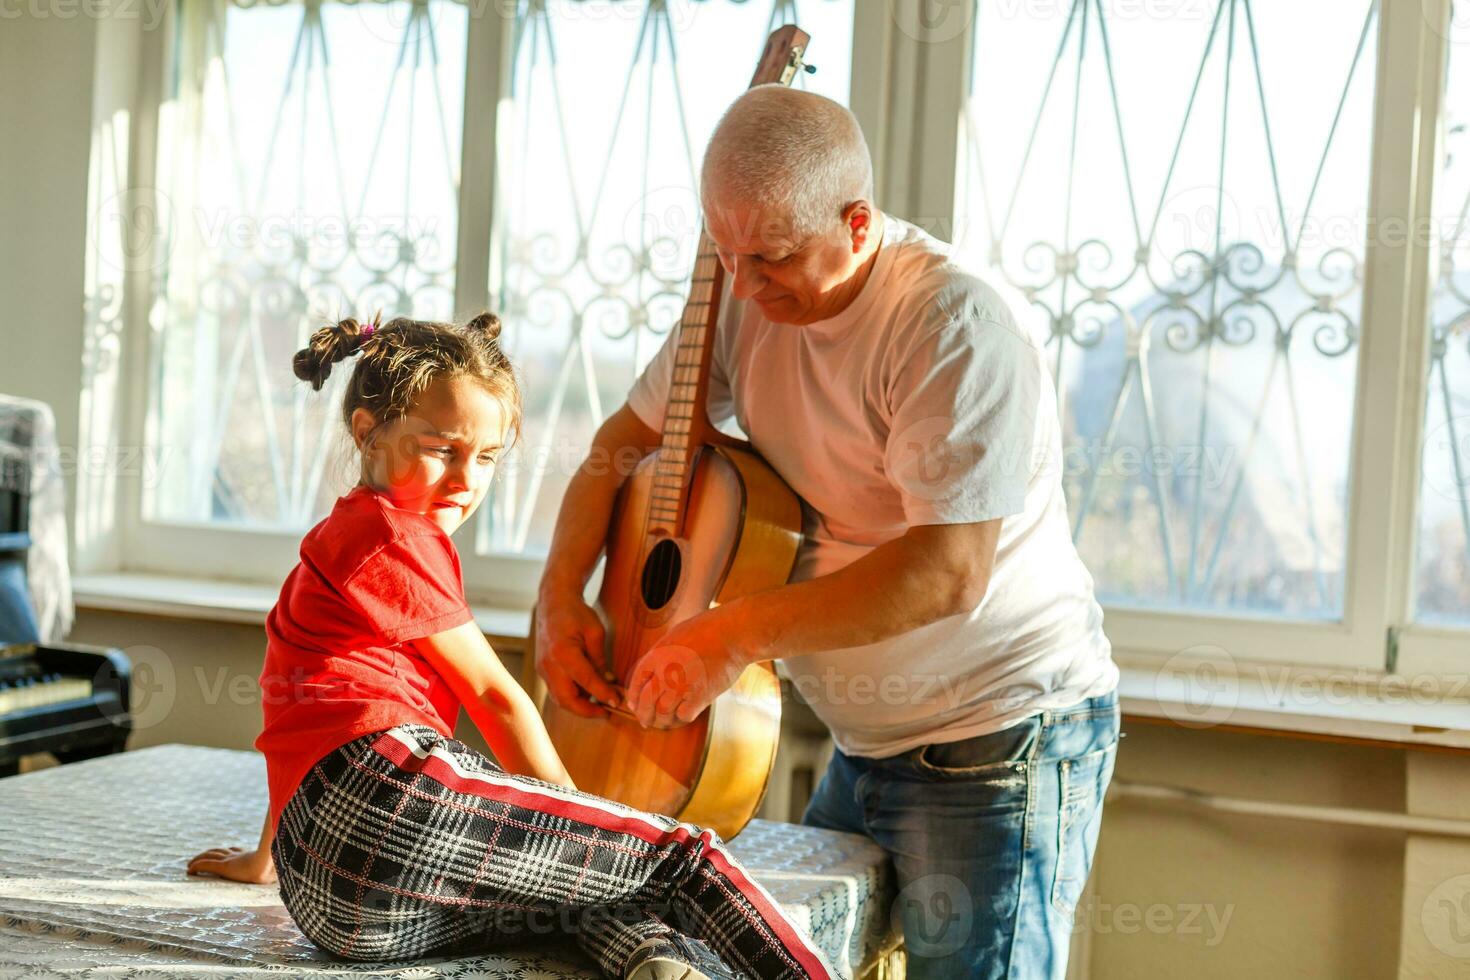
[92,881]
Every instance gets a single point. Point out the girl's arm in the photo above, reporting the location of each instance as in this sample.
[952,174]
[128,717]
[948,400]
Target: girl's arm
[238,864]
[496,703]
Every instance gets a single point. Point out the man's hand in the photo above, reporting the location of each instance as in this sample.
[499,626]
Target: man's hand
[690,666]
[569,653]
[254,867]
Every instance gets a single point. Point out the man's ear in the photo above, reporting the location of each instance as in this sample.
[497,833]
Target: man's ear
[858,218]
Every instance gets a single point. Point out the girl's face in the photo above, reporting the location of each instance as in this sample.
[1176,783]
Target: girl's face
[439,459]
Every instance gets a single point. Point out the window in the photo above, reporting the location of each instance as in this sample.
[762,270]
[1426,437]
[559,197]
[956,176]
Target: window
[613,103]
[309,171]
[1184,207]
[1200,220]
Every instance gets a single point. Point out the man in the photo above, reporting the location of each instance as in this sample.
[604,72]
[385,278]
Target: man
[938,620]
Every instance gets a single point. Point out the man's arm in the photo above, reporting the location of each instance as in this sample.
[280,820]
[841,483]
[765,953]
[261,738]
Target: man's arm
[569,634]
[930,572]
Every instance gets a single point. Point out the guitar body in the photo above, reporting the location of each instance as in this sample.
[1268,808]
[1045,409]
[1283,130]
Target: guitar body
[742,530]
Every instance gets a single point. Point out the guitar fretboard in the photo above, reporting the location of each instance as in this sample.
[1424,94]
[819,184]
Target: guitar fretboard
[685,421]
[687,392]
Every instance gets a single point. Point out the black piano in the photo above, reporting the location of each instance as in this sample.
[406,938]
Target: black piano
[64,698]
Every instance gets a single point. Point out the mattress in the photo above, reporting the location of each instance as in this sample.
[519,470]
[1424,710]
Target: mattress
[92,881]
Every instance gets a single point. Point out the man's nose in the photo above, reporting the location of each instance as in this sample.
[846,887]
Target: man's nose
[746,281]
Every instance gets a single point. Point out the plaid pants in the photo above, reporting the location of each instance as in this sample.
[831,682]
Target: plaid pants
[404,844]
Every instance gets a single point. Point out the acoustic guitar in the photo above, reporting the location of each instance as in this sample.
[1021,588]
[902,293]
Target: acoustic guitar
[701,521]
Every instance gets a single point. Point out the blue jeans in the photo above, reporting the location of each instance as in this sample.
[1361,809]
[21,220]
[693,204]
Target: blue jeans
[992,838]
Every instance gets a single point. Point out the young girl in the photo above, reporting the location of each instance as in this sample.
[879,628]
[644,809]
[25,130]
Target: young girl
[390,839]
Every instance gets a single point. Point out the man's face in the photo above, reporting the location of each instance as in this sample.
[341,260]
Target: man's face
[790,281]
[439,459]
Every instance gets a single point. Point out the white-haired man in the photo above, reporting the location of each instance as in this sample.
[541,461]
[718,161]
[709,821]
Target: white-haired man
[939,619]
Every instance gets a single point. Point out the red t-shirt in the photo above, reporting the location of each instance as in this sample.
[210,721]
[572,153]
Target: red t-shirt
[339,662]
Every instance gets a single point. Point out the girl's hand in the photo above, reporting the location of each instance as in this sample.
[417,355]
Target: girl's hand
[254,867]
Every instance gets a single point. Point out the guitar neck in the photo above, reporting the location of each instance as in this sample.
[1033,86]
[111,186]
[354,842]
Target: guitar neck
[686,420]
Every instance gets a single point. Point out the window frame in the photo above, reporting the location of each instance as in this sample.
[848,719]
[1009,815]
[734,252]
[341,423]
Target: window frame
[1376,631]
[177,548]
[909,94]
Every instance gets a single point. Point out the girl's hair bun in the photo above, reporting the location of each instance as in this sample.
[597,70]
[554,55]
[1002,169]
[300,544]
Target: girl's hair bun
[487,323]
[313,363]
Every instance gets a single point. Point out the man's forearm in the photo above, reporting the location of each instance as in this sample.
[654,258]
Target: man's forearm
[893,589]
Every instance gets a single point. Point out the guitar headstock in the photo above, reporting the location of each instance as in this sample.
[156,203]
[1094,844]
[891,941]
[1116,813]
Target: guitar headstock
[782,58]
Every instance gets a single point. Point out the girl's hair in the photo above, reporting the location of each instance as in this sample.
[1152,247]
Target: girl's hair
[401,358]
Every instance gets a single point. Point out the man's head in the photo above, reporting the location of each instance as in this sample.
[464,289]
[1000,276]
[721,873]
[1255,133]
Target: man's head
[787,189]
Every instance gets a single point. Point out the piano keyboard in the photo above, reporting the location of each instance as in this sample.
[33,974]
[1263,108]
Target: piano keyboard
[68,699]
[25,684]
[34,691]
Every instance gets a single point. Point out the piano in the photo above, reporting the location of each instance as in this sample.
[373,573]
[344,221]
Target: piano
[64,698]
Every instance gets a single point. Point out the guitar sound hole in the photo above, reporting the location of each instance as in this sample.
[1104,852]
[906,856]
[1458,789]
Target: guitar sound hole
[661,574]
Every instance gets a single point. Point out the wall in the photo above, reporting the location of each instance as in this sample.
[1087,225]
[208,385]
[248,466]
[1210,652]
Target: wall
[46,71]
[196,681]
[1183,892]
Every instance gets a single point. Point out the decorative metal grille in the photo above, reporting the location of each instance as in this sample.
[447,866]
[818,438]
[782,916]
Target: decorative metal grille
[309,171]
[1183,205]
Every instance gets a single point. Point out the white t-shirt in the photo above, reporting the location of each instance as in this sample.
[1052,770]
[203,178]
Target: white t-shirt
[926,401]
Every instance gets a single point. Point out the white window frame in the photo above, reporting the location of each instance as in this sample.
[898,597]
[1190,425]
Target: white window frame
[908,93]
[174,548]
[1376,632]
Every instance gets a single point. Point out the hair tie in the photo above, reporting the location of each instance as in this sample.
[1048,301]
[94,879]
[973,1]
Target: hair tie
[366,330]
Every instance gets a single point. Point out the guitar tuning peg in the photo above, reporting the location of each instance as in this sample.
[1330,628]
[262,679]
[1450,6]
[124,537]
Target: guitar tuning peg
[809,69]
